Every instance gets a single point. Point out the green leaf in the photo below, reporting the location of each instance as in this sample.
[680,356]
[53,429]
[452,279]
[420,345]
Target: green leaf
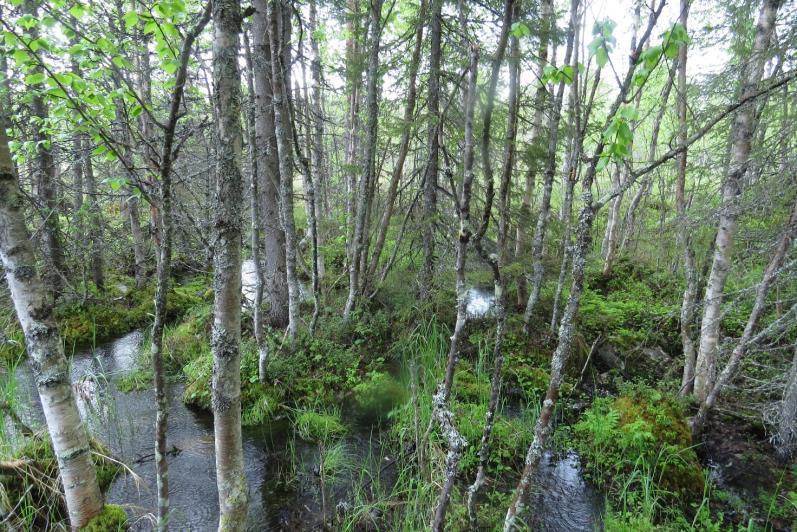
[131,19]
[20,57]
[34,79]
[119,61]
[520,30]
[601,57]
[28,21]
[77,11]
[170,66]
[603,162]
[105,45]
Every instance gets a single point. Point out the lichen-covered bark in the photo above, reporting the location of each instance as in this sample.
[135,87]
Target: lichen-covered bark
[279,33]
[543,428]
[742,133]
[404,144]
[228,220]
[497,261]
[538,267]
[256,221]
[441,410]
[44,164]
[689,299]
[268,175]
[786,437]
[318,155]
[34,309]
[535,152]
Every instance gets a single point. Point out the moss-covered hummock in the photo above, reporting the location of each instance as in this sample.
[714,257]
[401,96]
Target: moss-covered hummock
[642,431]
[112,518]
[105,316]
[33,488]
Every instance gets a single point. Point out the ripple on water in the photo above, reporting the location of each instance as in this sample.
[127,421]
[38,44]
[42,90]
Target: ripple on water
[562,500]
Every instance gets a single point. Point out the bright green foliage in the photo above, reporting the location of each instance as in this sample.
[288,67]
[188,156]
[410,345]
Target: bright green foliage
[510,439]
[603,41]
[136,380]
[321,425]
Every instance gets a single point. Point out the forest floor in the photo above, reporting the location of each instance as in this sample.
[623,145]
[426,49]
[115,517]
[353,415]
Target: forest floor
[619,424]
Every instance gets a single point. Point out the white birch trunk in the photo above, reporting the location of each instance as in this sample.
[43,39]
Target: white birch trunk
[742,131]
[34,310]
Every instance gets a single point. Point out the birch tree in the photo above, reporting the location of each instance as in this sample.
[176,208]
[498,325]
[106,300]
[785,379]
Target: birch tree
[742,132]
[34,309]
[228,202]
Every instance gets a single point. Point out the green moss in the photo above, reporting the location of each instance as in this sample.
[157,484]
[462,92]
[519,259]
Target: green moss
[260,403]
[112,517]
[190,339]
[468,386]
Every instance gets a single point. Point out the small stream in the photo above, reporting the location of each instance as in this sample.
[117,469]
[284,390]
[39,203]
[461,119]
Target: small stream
[281,469]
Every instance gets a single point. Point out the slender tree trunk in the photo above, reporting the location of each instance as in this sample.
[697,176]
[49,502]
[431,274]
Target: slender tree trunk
[496,263]
[538,267]
[612,225]
[95,225]
[770,273]
[318,156]
[256,221]
[78,146]
[535,151]
[644,187]
[230,475]
[440,402]
[134,219]
[543,428]
[54,259]
[268,175]
[34,310]
[404,144]
[280,76]
[165,230]
[353,85]
[311,198]
[570,173]
[369,175]
[433,164]
[619,176]
[742,131]
[689,299]
[786,438]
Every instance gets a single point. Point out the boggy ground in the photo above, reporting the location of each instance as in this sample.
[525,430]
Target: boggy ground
[618,409]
